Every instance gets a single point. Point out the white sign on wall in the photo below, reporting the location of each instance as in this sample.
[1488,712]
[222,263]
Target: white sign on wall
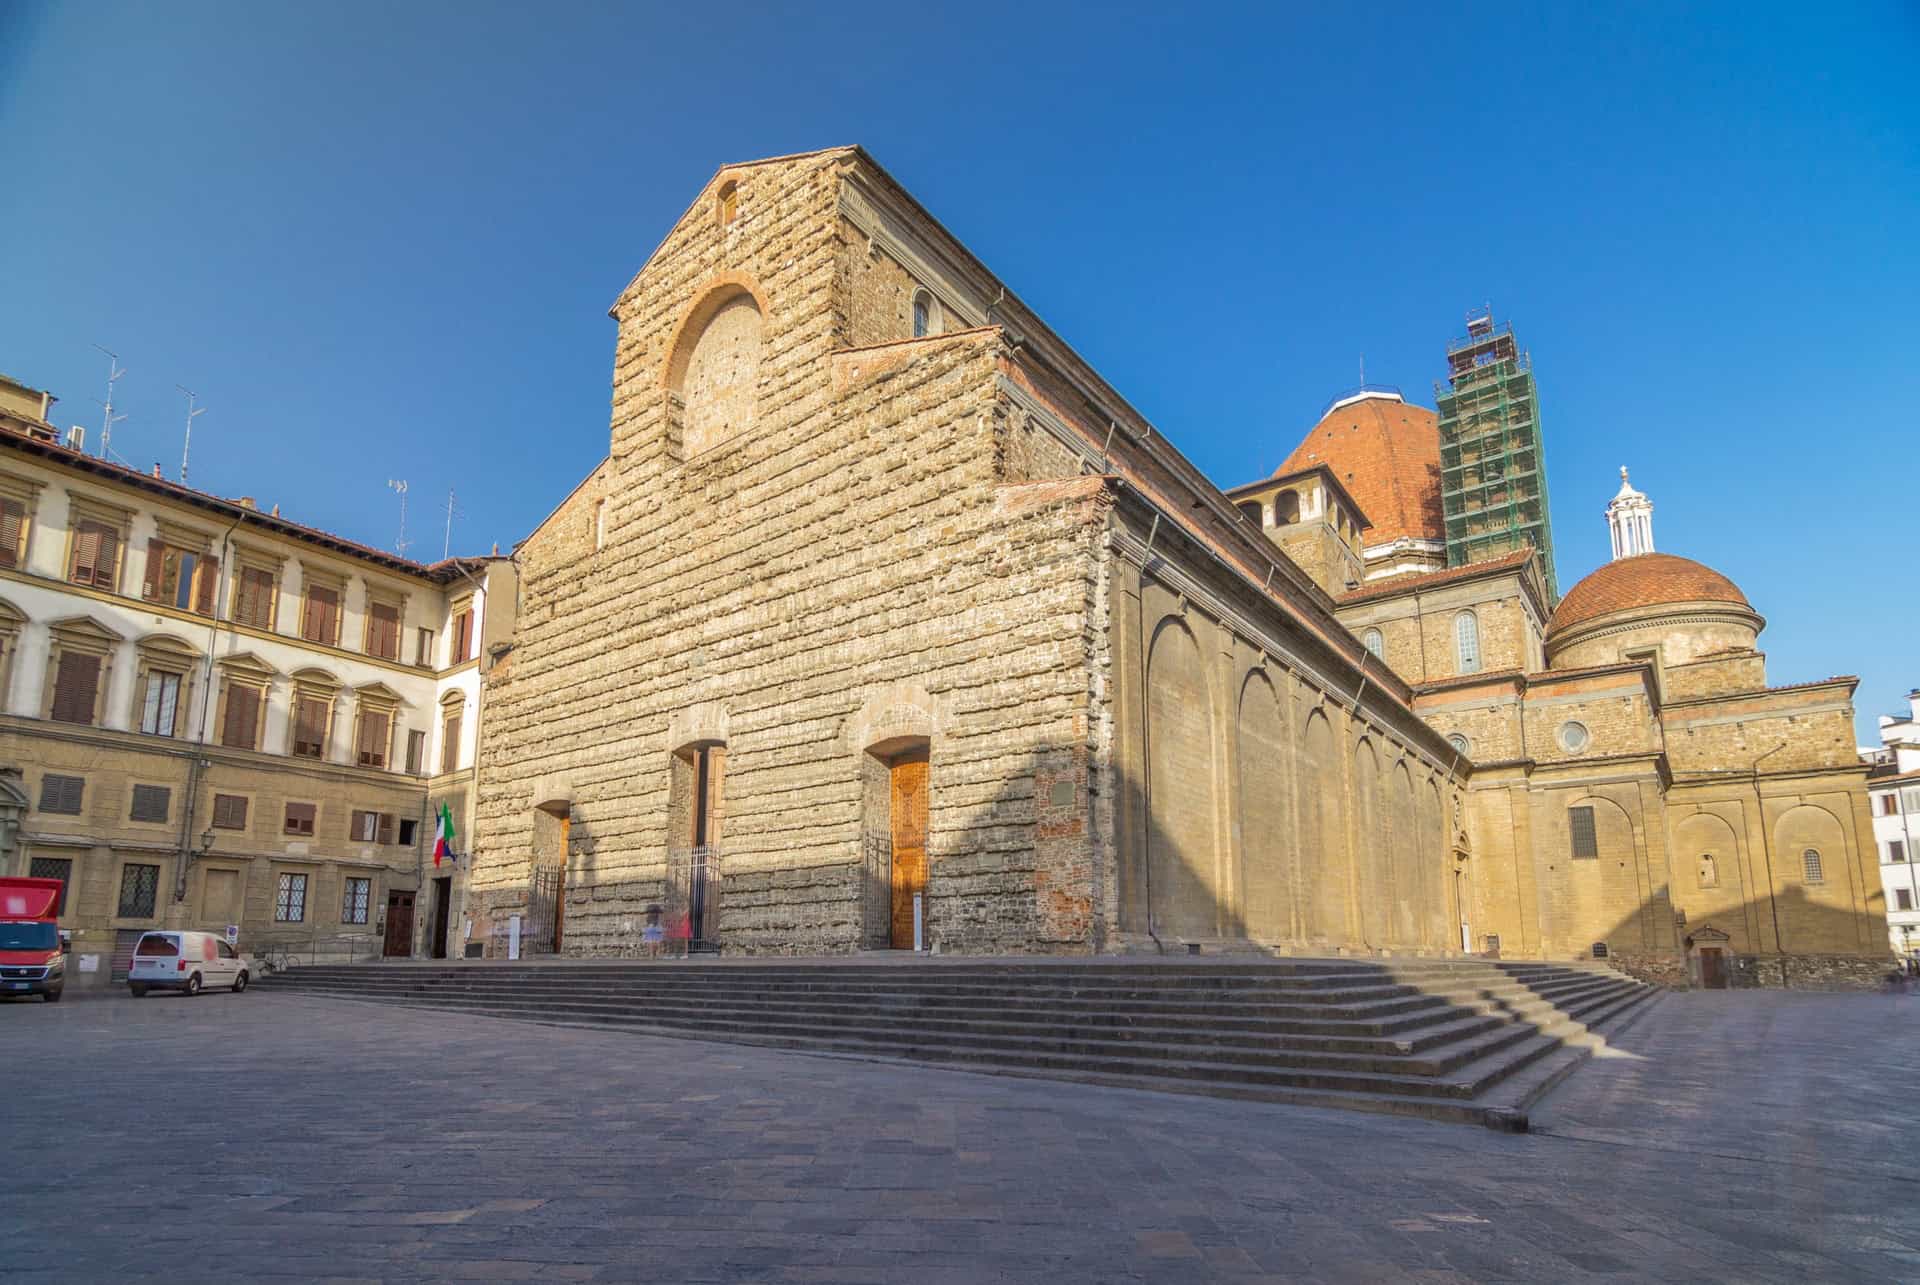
[513,937]
[89,963]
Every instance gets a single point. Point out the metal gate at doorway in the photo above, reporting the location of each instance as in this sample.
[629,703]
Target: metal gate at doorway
[546,911]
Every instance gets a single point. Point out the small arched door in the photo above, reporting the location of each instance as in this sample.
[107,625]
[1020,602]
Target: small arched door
[907,814]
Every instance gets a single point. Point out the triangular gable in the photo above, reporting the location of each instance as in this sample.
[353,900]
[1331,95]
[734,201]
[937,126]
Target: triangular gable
[248,663]
[84,627]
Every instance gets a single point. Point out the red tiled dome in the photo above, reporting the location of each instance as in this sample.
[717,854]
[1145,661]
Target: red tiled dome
[1644,580]
[1387,454]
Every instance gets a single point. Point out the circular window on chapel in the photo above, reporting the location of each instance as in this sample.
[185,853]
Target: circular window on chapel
[1574,737]
[1461,744]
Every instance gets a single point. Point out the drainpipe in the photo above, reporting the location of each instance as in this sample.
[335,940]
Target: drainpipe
[195,762]
[479,730]
[1146,751]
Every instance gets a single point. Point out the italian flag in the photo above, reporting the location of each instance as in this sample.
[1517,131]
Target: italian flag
[443,836]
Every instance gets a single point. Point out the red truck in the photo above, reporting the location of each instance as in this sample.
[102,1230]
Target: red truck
[32,959]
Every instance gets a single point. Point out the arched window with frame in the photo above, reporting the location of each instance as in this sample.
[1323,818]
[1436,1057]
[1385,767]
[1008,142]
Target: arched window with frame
[1466,642]
[922,314]
[1375,643]
[1286,508]
[1810,859]
[1709,871]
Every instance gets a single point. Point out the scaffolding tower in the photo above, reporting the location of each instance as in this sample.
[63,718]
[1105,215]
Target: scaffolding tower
[1493,474]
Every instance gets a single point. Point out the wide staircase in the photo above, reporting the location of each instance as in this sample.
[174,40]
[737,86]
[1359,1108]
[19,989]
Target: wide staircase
[1462,1040]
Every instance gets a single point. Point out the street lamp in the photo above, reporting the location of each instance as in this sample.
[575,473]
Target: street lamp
[206,841]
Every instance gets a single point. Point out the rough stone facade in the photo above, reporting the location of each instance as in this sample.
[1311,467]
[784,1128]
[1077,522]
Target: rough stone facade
[823,542]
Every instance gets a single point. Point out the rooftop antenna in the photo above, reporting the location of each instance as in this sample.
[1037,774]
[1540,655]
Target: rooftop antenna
[192,411]
[1363,370]
[114,371]
[446,550]
[400,545]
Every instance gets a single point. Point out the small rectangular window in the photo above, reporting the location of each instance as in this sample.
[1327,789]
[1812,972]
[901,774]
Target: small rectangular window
[151,803]
[59,868]
[290,899]
[407,826]
[1889,804]
[1910,798]
[1903,898]
[229,812]
[300,818]
[139,886]
[416,752]
[1897,850]
[423,648]
[363,827]
[61,794]
[1585,842]
[353,902]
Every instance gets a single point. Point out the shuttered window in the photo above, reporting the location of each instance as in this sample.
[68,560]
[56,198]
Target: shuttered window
[386,827]
[363,828]
[383,631]
[462,636]
[254,594]
[300,818]
[416,751]
[139,888]
[54,868]
[240,729]
[160,708]
[1585,842]
[13,525]
[229,812]
[61,794]
[450,744]
[322,623]
[310,727]
[75,684]
[375,726]
[96,554]
[150,803]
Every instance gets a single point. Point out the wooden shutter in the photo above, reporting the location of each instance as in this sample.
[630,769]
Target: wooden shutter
[13,520]
[74,687]
[309,727]
[450,749]
[386,827]
[206,582]
[462,636]
[373,738]
[243,716]
[230,811]
[383,630]
[323,612]
[416,751]
[256,598]
[155,581]
[300,818]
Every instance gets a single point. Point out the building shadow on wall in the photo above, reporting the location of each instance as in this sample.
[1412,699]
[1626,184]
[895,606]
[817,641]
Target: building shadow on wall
[1721,945]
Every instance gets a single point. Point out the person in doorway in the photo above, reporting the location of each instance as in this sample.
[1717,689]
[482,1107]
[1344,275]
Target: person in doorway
[653,934]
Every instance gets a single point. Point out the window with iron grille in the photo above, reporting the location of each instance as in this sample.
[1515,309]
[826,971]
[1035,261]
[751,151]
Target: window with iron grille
[1811,860]
[229,812]
[1585,842]
[139,886]
[353,900]
[61,794]
[290,901]
[1466,640]
[54,868]
[300,818]
[150,803]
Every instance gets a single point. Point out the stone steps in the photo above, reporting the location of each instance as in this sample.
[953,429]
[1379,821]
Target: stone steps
[1453,1040]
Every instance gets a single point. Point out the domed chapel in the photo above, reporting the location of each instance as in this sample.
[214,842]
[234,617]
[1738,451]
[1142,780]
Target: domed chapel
[887,623]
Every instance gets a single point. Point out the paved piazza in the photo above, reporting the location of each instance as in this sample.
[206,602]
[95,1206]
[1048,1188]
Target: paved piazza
[1744,1136]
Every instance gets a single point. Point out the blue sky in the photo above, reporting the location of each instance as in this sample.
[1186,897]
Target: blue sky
[380,240]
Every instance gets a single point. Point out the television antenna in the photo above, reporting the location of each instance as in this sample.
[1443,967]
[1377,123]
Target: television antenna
[446,550]
[400,486]
[114,371]
[192,410]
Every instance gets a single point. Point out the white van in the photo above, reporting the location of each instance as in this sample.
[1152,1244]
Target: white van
[186,961]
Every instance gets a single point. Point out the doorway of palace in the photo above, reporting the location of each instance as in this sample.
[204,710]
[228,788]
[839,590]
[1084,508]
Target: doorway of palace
[907,817]
[707,768]
[399,939]
[442,914]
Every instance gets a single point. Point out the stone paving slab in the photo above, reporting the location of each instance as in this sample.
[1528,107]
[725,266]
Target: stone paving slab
[268,1137]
